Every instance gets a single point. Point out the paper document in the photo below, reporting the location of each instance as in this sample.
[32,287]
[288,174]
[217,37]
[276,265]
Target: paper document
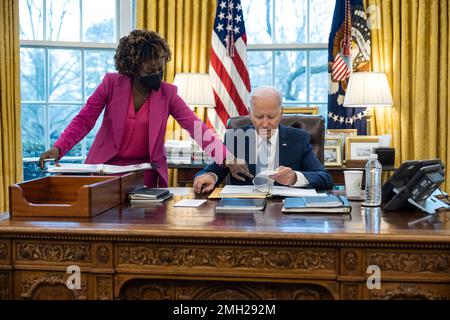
[292,192]
[240,190]
[266,173]
[97,168]
[262,180]
[189,203]
[273,190]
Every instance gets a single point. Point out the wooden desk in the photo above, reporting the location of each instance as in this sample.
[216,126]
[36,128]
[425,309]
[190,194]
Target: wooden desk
[185,253]
[187,172]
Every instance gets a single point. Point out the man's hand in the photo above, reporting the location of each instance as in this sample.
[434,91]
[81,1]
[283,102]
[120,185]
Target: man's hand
[285,176]
[204,183]
[238,169]
[52,153]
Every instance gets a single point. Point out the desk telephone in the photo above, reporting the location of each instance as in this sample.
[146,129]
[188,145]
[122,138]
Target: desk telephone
[415,183]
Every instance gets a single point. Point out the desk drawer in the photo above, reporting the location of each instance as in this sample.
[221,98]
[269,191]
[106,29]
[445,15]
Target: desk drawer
[414,265]
[228,261]
[63,254]
[403,291]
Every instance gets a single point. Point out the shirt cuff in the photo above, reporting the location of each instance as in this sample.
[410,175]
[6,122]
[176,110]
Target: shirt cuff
[301,180]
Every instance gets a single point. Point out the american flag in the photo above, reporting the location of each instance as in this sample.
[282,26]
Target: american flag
[228,65]
[342,68]
[348,51]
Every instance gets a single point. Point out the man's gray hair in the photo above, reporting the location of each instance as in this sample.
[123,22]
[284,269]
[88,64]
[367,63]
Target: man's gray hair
[265,92]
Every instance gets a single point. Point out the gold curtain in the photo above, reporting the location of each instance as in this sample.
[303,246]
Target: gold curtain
[186,25]
[410,43]
[11,146]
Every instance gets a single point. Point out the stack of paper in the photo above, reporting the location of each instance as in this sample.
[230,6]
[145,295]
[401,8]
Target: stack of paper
[179,151]
[237,191]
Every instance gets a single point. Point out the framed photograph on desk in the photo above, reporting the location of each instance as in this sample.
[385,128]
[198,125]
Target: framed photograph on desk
[335,140]
[332,156]
[343,133]
[346,132]
[360,147]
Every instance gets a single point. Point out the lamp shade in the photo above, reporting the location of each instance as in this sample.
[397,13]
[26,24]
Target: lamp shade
[195,89]
[368,89]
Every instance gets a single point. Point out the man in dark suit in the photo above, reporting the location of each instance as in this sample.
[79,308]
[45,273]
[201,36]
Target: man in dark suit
[268,147]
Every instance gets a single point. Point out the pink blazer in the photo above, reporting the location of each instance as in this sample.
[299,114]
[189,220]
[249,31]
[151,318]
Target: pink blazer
[113,95]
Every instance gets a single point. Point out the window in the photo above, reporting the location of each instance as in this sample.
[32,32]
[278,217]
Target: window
[66,47]
[288,48]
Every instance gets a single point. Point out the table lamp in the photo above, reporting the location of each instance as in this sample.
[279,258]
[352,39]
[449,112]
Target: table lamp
[366,90]
[195,89]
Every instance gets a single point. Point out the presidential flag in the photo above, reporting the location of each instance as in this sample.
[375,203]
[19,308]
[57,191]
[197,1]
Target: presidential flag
[228,65]
[348,51]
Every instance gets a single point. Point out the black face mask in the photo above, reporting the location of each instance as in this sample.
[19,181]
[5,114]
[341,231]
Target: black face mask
[152,81]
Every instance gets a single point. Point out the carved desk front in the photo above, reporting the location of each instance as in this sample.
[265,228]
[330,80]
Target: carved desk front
[163,252]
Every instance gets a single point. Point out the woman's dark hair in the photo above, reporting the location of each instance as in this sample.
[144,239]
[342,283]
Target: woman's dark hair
[138,47]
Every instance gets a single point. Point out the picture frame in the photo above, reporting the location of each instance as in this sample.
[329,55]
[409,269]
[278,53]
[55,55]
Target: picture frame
[332,156]
[360,147]
[313,110]
[335,140]
[346,132]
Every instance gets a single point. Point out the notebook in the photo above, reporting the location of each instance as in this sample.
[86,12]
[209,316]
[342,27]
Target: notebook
[326,204]
[150,200]
[147,193]
[238,204]
[325,201]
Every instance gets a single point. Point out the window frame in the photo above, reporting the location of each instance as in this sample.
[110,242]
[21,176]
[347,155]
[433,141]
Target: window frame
[300,47]
[125,21]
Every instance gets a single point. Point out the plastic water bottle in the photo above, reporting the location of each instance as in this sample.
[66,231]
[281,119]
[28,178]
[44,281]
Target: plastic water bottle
[373,182]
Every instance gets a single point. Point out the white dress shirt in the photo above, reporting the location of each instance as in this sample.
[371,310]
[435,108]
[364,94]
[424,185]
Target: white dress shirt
[273,162]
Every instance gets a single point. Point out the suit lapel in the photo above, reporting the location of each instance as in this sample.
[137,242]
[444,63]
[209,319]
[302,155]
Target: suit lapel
[119,106]
[250,151]
[156,115]
[283,145]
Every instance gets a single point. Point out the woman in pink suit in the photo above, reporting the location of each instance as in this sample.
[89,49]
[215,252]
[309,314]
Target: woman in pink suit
[137,105]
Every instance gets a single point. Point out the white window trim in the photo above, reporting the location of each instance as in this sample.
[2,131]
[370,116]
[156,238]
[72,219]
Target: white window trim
[124,25]
[306,47]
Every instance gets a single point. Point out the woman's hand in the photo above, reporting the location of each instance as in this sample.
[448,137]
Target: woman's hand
[52,153]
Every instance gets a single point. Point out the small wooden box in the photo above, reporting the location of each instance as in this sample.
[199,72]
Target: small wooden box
[65,196]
